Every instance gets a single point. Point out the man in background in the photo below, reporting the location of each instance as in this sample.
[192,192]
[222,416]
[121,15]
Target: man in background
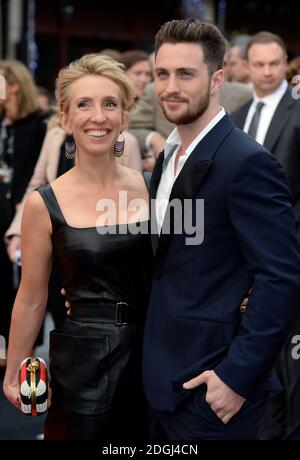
[272,118]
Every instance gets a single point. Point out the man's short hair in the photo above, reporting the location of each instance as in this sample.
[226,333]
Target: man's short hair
[241,42]
[265,38]
[195,31]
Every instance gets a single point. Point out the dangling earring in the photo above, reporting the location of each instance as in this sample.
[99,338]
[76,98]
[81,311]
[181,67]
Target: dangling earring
[119,146]
[70,147]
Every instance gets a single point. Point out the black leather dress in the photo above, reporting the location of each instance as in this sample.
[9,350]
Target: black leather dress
[95,358]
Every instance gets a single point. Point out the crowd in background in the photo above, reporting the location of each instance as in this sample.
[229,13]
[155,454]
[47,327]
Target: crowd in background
[32,153]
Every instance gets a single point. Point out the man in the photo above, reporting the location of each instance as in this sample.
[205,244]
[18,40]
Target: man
[275,116]
[238,68]
[278,128]
[208,368]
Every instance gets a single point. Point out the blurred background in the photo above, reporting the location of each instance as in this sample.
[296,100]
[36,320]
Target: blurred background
[45,35]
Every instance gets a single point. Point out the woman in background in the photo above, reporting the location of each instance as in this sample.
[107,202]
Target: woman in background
[138,69]
[22,131]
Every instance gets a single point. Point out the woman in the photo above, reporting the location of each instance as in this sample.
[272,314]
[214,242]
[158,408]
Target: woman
[22,131]
[51,164]
[138,69]
[95,358]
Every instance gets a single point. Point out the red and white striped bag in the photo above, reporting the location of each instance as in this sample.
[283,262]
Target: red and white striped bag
[33,386]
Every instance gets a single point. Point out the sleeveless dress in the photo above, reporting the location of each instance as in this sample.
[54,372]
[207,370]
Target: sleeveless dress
[95,358]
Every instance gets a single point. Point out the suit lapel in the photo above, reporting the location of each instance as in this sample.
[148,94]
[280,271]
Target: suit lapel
[155,178]
[190,178]
[156,175]
[192,175]
[279,120]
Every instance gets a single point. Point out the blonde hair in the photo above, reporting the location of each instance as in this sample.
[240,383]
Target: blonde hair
[93,64]
[16,72]
[53,120]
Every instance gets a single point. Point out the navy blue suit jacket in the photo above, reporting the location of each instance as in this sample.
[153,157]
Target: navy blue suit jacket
[194,321]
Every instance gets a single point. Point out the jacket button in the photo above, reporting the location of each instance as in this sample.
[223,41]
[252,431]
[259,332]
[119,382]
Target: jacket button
[8,195]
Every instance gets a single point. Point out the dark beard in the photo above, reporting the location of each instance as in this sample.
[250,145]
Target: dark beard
[189,116]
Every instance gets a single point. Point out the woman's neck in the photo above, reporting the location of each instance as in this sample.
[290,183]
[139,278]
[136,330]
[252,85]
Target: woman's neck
[96,171]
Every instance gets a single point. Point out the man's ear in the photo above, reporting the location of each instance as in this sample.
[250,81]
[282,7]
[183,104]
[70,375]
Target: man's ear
[125,118]
[217,80]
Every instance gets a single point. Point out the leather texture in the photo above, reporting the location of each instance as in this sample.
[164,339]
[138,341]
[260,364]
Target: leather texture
[95,365]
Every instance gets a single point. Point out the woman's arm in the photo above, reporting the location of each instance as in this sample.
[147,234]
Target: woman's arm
[30,304]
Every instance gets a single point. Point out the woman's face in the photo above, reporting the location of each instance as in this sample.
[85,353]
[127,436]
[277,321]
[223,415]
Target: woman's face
[2,88]
[140,74]
[7,91]
[95,116]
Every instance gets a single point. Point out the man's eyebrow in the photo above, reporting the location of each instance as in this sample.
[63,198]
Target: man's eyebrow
[179,69]
[160,69]
[258,61]
[186,69]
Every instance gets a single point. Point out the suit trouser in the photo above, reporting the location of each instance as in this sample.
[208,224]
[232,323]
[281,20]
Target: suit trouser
[194,420]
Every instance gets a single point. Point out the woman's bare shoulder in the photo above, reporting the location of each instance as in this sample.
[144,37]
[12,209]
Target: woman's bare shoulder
[36,211]
[63,181]
[132,179]
[35,203]
[130,173]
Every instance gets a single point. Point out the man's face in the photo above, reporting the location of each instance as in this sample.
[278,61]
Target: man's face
[182,82]
[238,66]
[267,67]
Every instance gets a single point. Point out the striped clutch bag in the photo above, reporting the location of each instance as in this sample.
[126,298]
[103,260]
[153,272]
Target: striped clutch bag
[33,386]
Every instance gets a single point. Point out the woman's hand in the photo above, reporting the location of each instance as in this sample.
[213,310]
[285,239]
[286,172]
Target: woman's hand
[12,392]
[245,301]
[13,246]
[67,303]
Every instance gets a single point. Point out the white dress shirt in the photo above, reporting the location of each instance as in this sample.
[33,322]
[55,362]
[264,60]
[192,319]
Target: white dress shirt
[168,177]
[270,105]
